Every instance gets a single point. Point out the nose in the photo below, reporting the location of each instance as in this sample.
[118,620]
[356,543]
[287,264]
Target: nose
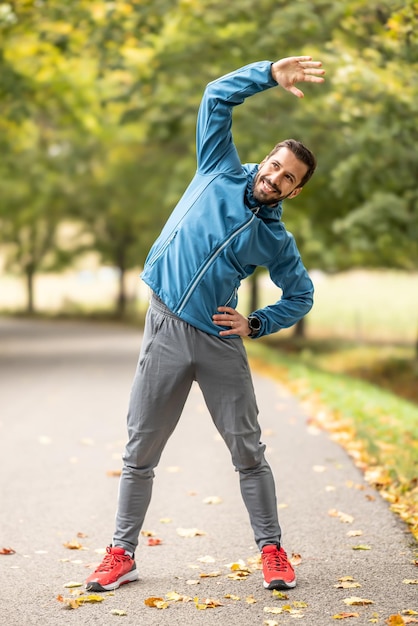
[276,178]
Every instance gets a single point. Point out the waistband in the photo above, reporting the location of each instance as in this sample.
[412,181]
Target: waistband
[158,305]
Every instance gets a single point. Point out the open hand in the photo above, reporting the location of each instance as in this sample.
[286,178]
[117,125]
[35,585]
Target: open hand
[291,70]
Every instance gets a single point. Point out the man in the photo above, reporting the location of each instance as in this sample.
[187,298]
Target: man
[226,224]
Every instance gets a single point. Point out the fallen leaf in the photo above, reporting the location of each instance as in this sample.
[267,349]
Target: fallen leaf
[118,612]
[190,532]
[165,520]
[354,533]
[114,473]
[347,582]
[295,559]
[209,603]
[192,582]
[395,620]
[343,517]
[409,612]
[7,551]
[410,581]
[250,600]
[362,547]
[73,545]
[345,615]
[206,559]
[154,541]
[155,602]
[75,602]
[212,500]
[147,533]
[276,610]
[230,596]
[281,595]
[173,596]
[355,601]
[270,622]
[72,585]
[81,535]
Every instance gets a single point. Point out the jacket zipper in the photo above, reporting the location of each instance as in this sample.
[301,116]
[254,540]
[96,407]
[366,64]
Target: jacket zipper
[163,248]
[183,302]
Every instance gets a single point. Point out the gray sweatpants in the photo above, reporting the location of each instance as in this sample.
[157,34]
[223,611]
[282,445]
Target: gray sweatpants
[173,355]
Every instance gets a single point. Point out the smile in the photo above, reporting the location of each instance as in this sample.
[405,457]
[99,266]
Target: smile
[268,187]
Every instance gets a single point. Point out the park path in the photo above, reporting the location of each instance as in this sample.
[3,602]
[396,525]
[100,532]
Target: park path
[64,390]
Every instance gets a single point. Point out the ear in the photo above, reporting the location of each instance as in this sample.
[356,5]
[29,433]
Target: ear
[294,193]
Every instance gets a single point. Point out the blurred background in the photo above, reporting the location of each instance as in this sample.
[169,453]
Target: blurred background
[98,103]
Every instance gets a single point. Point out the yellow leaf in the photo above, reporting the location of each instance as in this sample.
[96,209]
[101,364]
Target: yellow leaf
[354,600]
[270,622]
[410,581]
[354,533]
[192,582]
[344,615]
[153,601]
[395,620]
[347,585]
[74,603]
[72,584]
[210,574]
[250,600]
[209,603]
[362,547]
[281,595]
[148,533]
[230,596]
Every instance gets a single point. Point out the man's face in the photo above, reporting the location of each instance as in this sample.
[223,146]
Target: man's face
[278,177]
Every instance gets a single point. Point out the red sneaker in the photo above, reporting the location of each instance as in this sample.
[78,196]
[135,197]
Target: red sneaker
[116,569]
[277,571]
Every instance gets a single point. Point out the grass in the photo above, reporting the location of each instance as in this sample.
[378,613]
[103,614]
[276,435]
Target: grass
[378,429]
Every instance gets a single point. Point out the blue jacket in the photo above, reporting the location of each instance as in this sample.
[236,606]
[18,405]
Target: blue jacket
[217,235]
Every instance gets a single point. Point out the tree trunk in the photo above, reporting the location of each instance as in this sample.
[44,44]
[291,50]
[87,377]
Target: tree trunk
[300,329]
[121,299]
[30,275]
[254,292]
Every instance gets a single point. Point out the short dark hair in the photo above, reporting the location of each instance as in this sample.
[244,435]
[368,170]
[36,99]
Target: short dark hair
[302,153]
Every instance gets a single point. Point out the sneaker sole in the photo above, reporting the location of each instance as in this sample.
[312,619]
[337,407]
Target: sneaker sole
[279,584]
[130,577]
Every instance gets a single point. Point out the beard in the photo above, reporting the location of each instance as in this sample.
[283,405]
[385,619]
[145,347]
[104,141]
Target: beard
[267,198]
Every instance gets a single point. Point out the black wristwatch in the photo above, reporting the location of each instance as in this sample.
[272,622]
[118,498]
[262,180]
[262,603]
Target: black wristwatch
[254,324]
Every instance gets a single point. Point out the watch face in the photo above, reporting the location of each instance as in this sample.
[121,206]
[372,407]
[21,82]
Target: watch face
[254,323]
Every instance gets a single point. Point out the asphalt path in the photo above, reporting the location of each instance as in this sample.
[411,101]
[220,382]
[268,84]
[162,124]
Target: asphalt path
[64,389]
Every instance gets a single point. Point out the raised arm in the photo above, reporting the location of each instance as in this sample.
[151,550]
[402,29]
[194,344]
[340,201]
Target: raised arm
[214,143]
